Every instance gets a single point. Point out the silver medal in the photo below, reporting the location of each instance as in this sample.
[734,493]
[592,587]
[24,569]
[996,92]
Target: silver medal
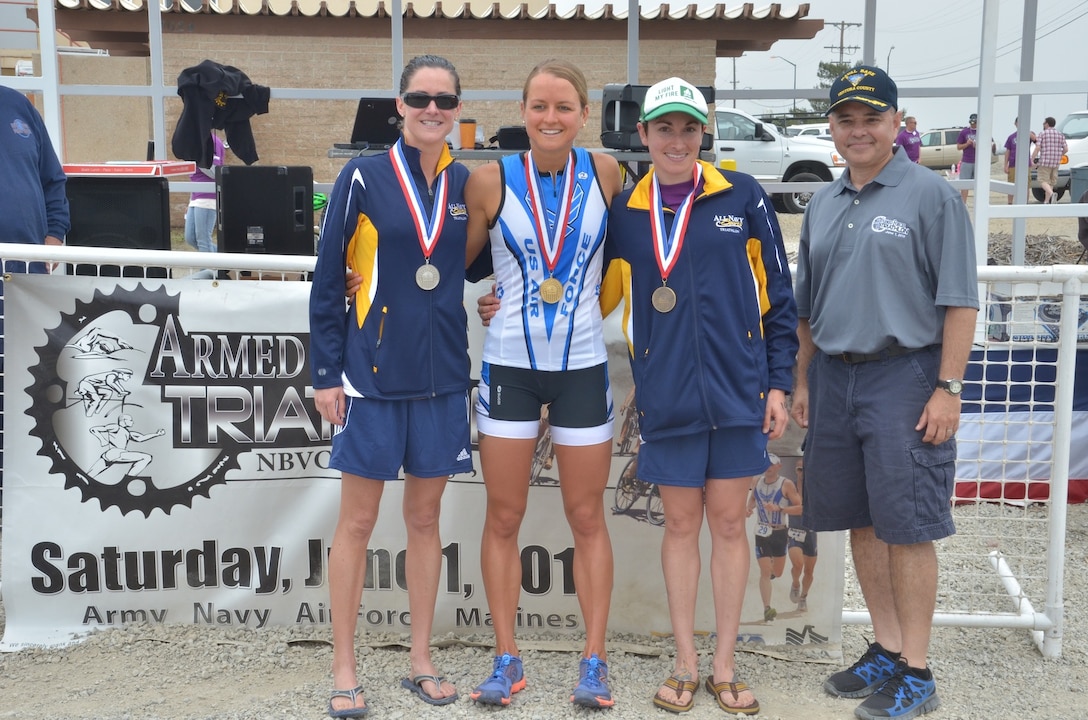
[427,277]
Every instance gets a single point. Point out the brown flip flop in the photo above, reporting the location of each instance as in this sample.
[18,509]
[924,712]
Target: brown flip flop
[736,687]
[681,684]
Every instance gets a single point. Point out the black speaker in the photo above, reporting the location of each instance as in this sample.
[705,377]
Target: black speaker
[265,209]
[115,211]
[513,137]
[621,106]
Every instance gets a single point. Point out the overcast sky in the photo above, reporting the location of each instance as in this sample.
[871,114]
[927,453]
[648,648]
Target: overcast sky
[925,43]
[936,44]
[931,43]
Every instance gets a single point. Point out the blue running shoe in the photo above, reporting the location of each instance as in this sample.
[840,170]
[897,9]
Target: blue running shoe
[507,678]
[862,678]
[592,689]
[904,696]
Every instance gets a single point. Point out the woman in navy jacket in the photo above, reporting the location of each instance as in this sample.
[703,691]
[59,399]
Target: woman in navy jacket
[712,332]
[391,374]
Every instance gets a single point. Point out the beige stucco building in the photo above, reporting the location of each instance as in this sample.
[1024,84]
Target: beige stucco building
[296,47]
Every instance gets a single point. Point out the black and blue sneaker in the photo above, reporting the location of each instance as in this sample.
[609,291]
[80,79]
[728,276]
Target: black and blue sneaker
[592,689]
[862,678]
[907,694]
[507,678]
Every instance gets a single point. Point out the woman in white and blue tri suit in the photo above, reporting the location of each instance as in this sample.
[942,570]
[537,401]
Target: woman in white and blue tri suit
[544,212]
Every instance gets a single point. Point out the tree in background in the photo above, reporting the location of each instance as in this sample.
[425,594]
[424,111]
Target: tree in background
[828,72]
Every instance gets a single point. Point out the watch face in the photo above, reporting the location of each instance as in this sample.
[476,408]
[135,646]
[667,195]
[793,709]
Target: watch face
[953,386]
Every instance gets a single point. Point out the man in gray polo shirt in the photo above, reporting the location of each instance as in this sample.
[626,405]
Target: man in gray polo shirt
[887,299]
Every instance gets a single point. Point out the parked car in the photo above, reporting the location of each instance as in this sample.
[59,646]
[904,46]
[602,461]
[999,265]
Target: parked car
[939,149]
[817,130]
[760,150]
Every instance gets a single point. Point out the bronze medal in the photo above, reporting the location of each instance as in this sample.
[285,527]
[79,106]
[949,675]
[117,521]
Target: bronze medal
[427,276]
[667,243]
[663,299]
[551,291]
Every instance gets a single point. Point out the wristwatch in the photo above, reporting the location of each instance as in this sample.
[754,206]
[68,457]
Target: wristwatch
[952,386]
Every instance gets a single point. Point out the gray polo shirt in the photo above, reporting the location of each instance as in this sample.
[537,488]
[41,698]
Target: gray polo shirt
[880,265]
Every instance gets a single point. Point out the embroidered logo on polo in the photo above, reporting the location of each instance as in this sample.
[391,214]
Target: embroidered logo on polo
[458,211]
[890,226]
[20,128]
[733,223]
[138,411]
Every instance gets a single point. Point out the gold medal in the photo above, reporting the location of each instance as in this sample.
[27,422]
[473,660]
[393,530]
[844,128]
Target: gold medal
[427,276]
[551,291]
[663,299]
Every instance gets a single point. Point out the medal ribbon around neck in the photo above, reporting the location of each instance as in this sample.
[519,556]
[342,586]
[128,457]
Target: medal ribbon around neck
[551,243]
[427,229]
[667,245]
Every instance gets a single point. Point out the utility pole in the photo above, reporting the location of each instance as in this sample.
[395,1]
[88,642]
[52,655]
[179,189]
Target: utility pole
[842,48]
[734,79]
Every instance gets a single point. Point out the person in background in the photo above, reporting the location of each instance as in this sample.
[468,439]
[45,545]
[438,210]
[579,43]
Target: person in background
[1049,149]
[771,495]
[966,143]
[801,546]
[887,297]
[33,201]
[708,275]
[909,139]
[1009,164]
[200,215]
[545,211]
[394,367]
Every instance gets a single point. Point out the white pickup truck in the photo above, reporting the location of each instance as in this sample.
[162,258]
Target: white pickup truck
[760,150]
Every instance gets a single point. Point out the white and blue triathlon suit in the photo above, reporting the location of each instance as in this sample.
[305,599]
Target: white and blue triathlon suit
[538,353]
[771,533]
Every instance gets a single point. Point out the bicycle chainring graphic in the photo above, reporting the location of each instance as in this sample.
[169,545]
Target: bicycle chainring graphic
[98,410]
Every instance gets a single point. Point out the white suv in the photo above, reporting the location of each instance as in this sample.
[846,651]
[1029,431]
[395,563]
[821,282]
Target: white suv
[817,130]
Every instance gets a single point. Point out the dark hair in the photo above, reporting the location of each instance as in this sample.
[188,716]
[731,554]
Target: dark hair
[428,61]
[1051,122]
[564,70]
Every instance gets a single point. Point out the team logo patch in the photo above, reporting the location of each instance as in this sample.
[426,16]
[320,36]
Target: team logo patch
[890,226]
[729,222]
[855,78]
[458,211]
[20,128]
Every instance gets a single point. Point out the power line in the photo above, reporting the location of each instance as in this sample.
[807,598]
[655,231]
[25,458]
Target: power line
[1009,47]
[843,48]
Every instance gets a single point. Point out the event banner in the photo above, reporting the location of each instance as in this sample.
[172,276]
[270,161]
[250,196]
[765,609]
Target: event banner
[165,464]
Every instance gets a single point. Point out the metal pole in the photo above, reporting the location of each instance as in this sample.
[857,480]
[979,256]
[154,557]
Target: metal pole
[779,57]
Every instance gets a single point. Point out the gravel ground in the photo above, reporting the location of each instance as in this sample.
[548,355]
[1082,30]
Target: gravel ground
[184,672]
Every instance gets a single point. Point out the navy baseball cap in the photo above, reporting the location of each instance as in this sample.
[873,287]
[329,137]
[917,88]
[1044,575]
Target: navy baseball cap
[865,84]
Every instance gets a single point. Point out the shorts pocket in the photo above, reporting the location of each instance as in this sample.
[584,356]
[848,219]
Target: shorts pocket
[934,479]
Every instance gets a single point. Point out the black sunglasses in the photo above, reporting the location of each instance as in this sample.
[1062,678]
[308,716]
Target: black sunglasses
[420,101]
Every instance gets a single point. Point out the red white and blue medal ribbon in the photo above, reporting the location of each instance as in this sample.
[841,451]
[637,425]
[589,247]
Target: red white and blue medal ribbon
[551,242]
[427,228]
[667,245]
